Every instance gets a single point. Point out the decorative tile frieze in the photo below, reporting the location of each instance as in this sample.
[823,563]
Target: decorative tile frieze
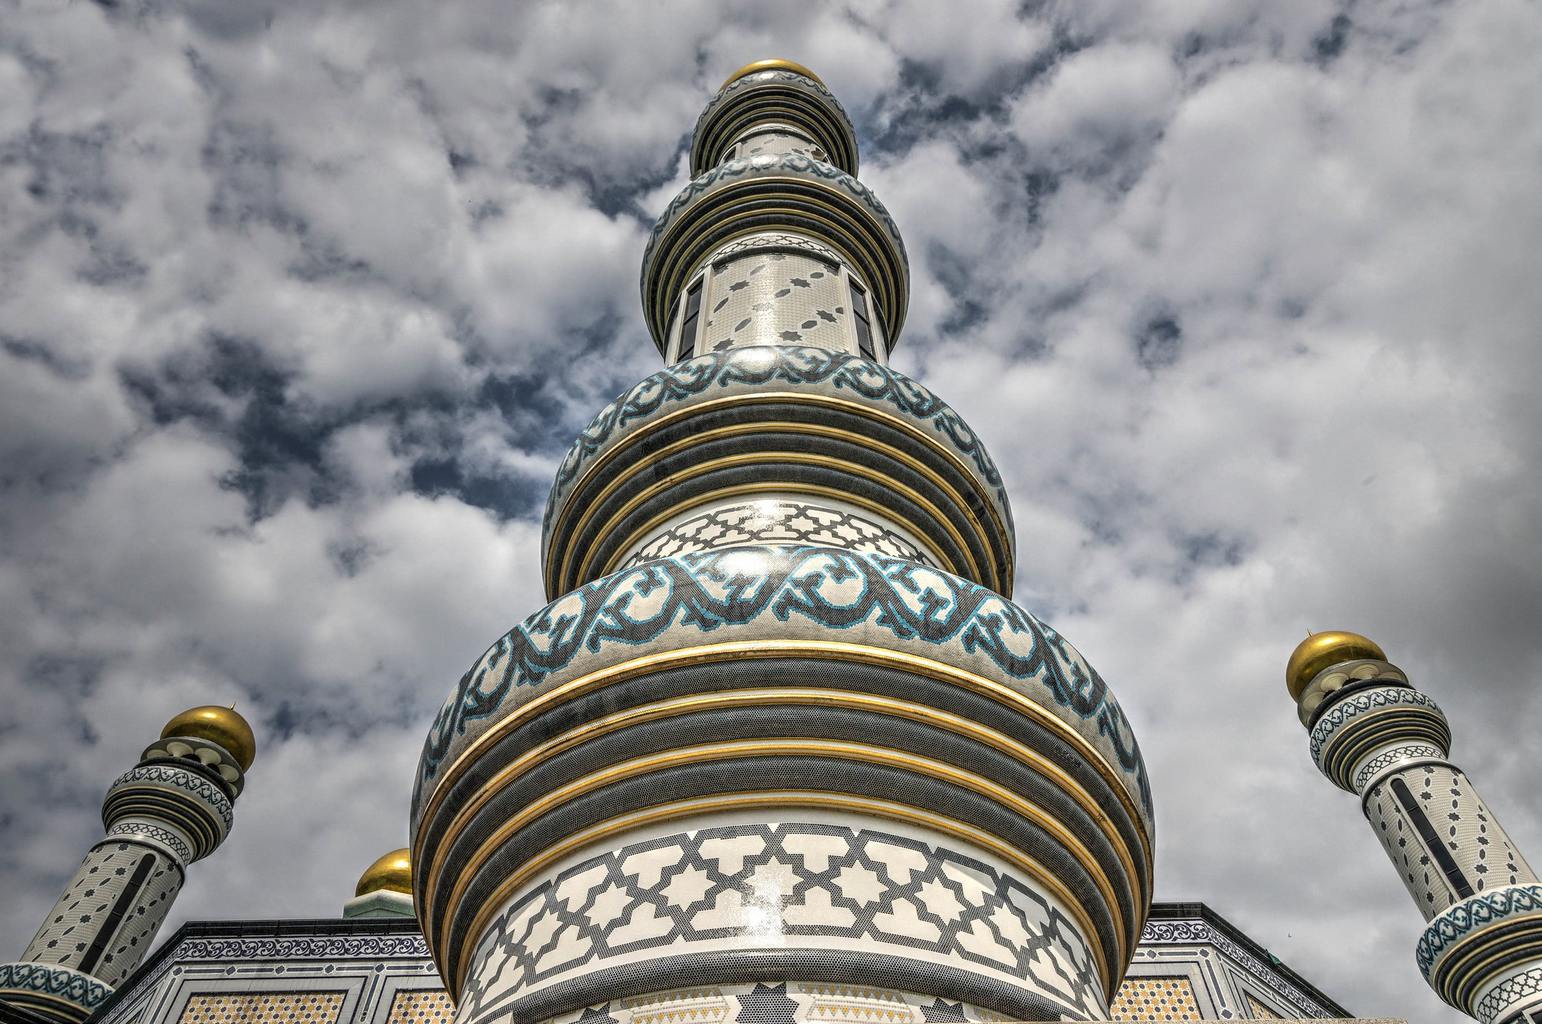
[263,1008]
[788,1002]
[1160,934]
[780,521]
[788,887]
[1155,999]
[421,1006]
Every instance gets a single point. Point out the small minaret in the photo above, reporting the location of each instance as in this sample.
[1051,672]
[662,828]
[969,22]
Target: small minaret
[385,888]
[1376,736]
[171,809]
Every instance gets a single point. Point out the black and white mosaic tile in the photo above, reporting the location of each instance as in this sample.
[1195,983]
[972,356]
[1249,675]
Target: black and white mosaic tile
[777,522]
[782,892]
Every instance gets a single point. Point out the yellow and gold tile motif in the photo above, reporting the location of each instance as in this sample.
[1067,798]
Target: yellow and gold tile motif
[1155,999]
[425,1006]
[1259,1011]
[684,1006]
[263,1008]
[857,1003]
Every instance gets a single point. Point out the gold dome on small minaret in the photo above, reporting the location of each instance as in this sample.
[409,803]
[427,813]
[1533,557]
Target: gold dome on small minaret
[771,64]
[1319,650]
[217,725]
[391,873]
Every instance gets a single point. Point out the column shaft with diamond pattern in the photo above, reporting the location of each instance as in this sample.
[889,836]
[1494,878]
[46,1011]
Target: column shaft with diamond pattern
[171,809]
[1374,735]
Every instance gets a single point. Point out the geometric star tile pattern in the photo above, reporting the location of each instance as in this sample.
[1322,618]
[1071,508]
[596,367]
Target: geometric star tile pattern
[781,1003]
[1259,1010]
[263,1008]
[855,888]
[429,1006]
[1155,999]
[778,522]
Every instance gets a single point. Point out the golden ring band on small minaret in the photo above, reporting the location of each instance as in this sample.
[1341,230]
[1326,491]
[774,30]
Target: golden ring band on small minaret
[772,64]
[1319,650]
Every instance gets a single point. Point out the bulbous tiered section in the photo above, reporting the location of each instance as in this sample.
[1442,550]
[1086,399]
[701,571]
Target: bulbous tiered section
[779,743]
[774,242]
[171,809]
[773,106]
[1374,735]
[778,444]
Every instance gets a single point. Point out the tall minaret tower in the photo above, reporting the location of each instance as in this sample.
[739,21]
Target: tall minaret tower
[1376,736]
[171,809]
[780,748]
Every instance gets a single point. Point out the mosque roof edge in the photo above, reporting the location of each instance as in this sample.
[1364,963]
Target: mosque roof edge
[1180,911]
[258,929]
[274,934]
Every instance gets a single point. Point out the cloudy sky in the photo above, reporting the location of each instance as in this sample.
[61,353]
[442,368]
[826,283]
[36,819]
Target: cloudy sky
[301,303]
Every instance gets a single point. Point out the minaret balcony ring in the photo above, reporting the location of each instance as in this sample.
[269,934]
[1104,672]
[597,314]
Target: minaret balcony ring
[790,94]
[770,421]
[785,677]
[783,192]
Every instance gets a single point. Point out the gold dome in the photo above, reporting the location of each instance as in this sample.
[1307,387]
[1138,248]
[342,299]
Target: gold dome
[771,65]
[1319,650]
[217,725]
[393,873]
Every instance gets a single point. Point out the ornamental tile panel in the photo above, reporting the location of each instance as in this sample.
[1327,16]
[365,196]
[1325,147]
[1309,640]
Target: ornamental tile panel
[1155,999]
[263,1008]
[424,1006]
[1259,1010]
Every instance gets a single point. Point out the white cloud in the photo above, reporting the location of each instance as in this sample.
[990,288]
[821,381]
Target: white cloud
[550,263]
[1097,105]
[970,49]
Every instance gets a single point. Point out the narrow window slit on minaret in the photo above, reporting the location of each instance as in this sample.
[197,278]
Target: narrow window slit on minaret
[689,321]
[121,907]
[1421,823]
[864,327]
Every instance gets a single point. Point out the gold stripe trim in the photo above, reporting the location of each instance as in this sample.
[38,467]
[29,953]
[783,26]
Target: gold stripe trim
[50,998]
[765,650]
[726,203]
[723,203]
[760,427]
[770,64]
[757,650]
[842,750]
[830,650]
[859,410]
[782,800]
[811,117]
[1343,756]
[809,121]
[846,405]
[569,575]
[1492,975]
[785,696]
[1466,962]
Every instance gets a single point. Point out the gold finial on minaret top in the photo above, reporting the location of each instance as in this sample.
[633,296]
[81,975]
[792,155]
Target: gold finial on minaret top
[772,64]
[1319,650]
[217,725]
[392,873]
